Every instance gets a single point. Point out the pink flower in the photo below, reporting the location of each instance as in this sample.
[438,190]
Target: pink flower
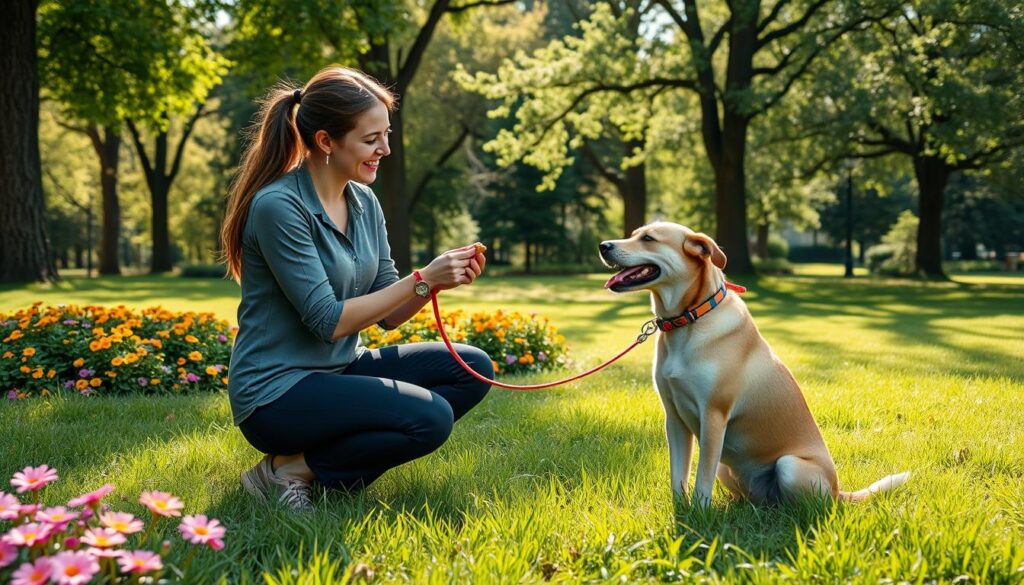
[103,537]
[198,530]
[161,503]
[140,561]
[29,534]
[36,573]
[73,568]
[71,543]
[216,544]
[10,507]
[58,516]
[28,510]
[107,553]
[91,498]
[122,522]
[8,552]
[33,478]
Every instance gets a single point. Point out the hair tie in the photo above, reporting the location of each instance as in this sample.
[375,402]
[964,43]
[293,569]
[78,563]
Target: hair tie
[297,96]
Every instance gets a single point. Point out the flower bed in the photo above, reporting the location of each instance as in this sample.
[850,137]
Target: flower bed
[86,540]
[95,349]
[517,343]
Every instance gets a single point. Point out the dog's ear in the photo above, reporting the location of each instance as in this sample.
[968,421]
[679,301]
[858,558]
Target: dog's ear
[702,246]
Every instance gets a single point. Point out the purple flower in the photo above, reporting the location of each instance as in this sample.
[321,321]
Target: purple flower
[12,395]
[222,338]
[142,381]
[219,367]
[69,384]
[542,356]
[85,373]
[85,391]
[510,359]
[86,324]
[191,377]
[166,369]
[70,322]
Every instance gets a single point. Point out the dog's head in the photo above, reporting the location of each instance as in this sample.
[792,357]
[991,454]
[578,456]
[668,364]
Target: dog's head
[660,254]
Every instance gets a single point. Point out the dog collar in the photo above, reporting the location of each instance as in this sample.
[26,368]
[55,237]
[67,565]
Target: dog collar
[700,310]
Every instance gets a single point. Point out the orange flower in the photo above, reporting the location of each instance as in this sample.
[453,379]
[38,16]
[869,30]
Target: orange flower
[95,346]
[131,358]
[38,373]
[78,363]
[195,356]
[211,371]
[95,382]
[117,361]
[51,373]
[25,369]
[224,380]
[191,339]
[8,354]
[29,352]
[154,381]
[81,384]
[181,361]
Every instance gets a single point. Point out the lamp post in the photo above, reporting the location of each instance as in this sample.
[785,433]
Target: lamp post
[849,219]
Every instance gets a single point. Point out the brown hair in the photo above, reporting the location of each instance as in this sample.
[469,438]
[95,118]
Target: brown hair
[332,101]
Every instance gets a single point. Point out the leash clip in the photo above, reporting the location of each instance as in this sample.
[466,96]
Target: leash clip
[646,330]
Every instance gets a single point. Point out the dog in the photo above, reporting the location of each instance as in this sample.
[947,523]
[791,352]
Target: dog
[718,379]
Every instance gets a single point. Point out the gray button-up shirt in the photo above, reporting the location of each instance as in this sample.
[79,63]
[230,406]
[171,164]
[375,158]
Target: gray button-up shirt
[297,270]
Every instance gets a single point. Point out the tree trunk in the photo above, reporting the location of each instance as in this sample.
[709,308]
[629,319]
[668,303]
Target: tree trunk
[634,193]
[161,260]
[108,147]
[932,175]
[24,247]
[731,201]
[762,240]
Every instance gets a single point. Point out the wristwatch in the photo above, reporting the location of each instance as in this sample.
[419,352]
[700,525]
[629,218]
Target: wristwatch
[422,288]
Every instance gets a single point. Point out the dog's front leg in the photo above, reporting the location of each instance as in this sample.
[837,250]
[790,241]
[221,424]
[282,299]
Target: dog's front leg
[712,435]
[680,451]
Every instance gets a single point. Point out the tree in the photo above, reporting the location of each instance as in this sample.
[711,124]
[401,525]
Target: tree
[575,82]
[24,248]
[387,39]
[940,84]
[108,61]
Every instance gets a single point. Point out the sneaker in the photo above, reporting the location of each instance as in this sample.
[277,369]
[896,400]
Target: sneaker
[261,482]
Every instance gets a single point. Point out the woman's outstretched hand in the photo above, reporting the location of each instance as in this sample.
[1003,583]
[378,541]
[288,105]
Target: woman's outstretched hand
[455,267]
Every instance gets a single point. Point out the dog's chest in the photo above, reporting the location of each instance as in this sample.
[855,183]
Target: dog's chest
[688,383]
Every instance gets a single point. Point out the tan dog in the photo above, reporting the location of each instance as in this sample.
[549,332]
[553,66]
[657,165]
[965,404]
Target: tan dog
[718,379]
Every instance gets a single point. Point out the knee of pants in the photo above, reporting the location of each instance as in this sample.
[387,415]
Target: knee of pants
[435,425]
[481,364]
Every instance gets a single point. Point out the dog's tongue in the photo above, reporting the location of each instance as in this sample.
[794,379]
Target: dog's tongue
[622,276]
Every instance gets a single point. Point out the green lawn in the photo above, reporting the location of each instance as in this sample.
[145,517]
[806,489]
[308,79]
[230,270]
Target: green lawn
[572,484]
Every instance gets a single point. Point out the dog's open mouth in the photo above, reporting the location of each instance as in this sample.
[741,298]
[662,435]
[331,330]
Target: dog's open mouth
[633,276]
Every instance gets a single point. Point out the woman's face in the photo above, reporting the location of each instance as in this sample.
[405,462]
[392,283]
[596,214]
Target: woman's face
[360,151]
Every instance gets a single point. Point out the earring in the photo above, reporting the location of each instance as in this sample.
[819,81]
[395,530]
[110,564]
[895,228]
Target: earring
[327,159]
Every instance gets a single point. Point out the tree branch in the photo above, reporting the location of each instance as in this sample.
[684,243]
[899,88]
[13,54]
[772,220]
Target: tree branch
[793,26]
[185,133]
[615,178]
[447,154]
[469,5]
[147,166]
[772,15]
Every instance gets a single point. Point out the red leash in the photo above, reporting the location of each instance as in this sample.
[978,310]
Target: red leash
[646,330]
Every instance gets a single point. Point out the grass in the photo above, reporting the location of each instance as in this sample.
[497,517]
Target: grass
[571,485]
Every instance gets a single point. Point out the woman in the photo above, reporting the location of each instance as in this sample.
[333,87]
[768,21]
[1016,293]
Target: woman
[306,239]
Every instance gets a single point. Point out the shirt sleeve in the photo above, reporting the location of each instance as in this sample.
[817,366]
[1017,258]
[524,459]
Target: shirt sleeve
[284,237]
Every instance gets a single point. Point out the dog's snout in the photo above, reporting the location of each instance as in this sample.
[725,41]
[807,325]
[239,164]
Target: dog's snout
[606,246]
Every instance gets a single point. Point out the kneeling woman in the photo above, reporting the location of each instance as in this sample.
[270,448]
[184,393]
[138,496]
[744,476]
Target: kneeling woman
[305,238]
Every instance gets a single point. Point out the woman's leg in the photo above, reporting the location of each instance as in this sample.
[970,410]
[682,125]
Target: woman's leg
[430,366]
[351,428]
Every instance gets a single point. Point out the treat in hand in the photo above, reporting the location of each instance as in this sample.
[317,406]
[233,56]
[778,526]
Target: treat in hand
[480,248]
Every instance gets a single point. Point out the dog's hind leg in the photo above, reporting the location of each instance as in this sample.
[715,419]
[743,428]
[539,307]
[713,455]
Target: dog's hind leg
[799,478]
[730,482]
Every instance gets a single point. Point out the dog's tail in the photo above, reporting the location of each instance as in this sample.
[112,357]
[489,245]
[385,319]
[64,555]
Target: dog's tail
[883,485]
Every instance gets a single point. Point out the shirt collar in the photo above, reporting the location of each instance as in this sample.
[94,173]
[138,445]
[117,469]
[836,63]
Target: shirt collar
[308,193]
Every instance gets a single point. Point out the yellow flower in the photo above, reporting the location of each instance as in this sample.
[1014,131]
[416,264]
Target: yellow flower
[117,361]
[105,343]
[131,358]
[163,334]
[191,339]
[25,369]
[29,351]
[415,338]
[51,373]
[154,381]
[8,354]
[224,380]
[195,356]
[141,351]
[211,371]
[94,346]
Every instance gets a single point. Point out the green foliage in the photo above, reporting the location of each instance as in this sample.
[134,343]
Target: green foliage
[515,342]
[895,255]
[202,271]
[109,60]
[94,349]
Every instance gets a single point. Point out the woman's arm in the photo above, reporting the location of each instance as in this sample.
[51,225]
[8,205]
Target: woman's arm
[446,271]
[405,312]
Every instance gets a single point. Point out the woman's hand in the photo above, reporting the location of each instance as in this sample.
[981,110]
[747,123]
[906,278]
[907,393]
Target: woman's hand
[455,267]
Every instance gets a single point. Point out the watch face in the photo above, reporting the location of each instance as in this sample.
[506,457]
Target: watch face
[422,289]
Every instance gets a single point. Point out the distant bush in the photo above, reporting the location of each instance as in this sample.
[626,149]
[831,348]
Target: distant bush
[773,266]
[973,266]
[202,271]
[817,253]
[896,254]
[778,247]
[116,350]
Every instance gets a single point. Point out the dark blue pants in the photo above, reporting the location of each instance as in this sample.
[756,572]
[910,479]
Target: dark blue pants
[390,406]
